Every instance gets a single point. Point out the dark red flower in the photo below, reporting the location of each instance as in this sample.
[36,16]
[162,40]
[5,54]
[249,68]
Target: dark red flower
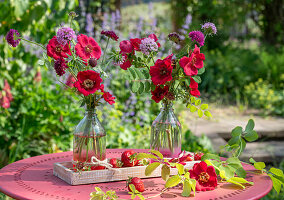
[126,46]
[4,101]
[159,93]
[161,72]
[7,89]
[56,50]
[154,37]
[193,63]
[87,47]
[93,62]
[126,62]
[136,43]
[88,82]
[109,98]
[60,66]
[205,176]
[194,88]
[10,37]
[110,34]
[70,81]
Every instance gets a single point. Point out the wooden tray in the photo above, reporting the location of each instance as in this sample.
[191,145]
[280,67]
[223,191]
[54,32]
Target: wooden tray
[64,172]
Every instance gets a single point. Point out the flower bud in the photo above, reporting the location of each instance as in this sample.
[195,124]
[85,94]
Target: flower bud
[93,62]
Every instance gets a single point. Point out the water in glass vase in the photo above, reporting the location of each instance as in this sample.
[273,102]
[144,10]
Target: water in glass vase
[84,147]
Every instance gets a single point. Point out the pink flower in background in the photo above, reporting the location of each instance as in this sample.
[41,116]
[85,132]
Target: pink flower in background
[7,89]
[4,101]
[154,37]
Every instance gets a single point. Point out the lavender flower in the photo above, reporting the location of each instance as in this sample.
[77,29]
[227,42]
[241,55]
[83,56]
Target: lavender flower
[89,24]
[197,36]
[65,35]
[10,37]
[209,28]
[148,45]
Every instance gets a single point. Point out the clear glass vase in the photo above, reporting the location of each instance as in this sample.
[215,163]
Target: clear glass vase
[89,139]
[166,132]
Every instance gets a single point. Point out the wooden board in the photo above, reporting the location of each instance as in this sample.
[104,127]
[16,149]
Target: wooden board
[64,172]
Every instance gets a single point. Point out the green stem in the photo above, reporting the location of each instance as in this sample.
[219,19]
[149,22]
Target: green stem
[103,60]
[32,42]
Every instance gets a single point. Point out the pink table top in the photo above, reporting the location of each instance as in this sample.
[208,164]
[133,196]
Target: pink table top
[33,178]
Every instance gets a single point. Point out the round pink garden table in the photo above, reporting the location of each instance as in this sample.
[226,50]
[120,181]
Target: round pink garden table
[33,178]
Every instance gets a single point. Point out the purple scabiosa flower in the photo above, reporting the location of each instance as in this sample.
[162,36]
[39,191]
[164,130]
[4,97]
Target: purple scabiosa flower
[148,45]
[197,36]
[65,35]
[174,37]
[60,66]
[110,34]
[10,37]
[209,28]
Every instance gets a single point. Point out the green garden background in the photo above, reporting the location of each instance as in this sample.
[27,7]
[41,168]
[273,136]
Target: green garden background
[244,68]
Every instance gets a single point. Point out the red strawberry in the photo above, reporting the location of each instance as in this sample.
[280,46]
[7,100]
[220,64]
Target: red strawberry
[137,182]
[197,156]
[115,163]
[97,167]
[128,158]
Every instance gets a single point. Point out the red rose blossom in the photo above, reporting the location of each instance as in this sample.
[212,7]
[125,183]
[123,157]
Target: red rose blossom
[159,93]
[126,46]
[88,82]
[136,43]
[161,72]
[87,47]
[126,63]
[154,37]
[194,88]
[205,176]
[193,63]
[109,98]
[56,50]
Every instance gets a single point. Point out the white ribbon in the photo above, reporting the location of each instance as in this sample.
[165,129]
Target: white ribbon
[104,163]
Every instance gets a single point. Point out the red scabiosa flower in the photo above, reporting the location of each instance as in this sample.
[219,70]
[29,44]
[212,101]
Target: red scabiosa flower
[126,46]
[109,98]
[56,50]
[110,34]
[205,176]
[136,43]
[70,81]
[159,93]
[193,63]
[10,37]
[194,88]
[161,72]
[60,66]
[197,36]
[88,82]
[87,47]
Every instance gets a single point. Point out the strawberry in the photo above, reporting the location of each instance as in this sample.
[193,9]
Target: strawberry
[115,163]
[198,155]
[137,182]
[97,167]
[128,158]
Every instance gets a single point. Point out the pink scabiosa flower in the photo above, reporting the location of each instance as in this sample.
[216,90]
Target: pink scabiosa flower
[65,35]
[88,82]
[148,45]
[209,28]
[197,36]
[11,37]
[60,66]
[110,34]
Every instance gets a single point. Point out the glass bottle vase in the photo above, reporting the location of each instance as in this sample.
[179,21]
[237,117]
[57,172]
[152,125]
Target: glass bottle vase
[166,132]
[89,139]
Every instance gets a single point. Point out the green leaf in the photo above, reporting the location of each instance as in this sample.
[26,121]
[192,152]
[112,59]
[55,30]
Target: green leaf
[173,181]
[207,113]
[98,189]
[145,73]
[141,156]
[157,153]
[234,140]
[201,71]
[132,188]
[252,160]
[147,86]
[241,172]
[192,99]
[192,183]
[233,160]
[197,102]
[241,147]
[141,88]
[193,109]
[187,175]
[251,136]
[165,172]
[197,79]
[135,86]
[235,182]
[276,183]
[259,165]
[150,168]
[276,171]
[139,74]
[180,168]
[200,113]
[209,156]
[140,196]
[230,171]
[241,180]
[186,189]
[132,73]
[204,106]
[250,125]
[237,131]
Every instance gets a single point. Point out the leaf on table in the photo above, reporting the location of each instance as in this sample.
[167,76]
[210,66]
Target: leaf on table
[259,165]
[165,173]
[186,189]
[210,156]
[172,181]
[150,168]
